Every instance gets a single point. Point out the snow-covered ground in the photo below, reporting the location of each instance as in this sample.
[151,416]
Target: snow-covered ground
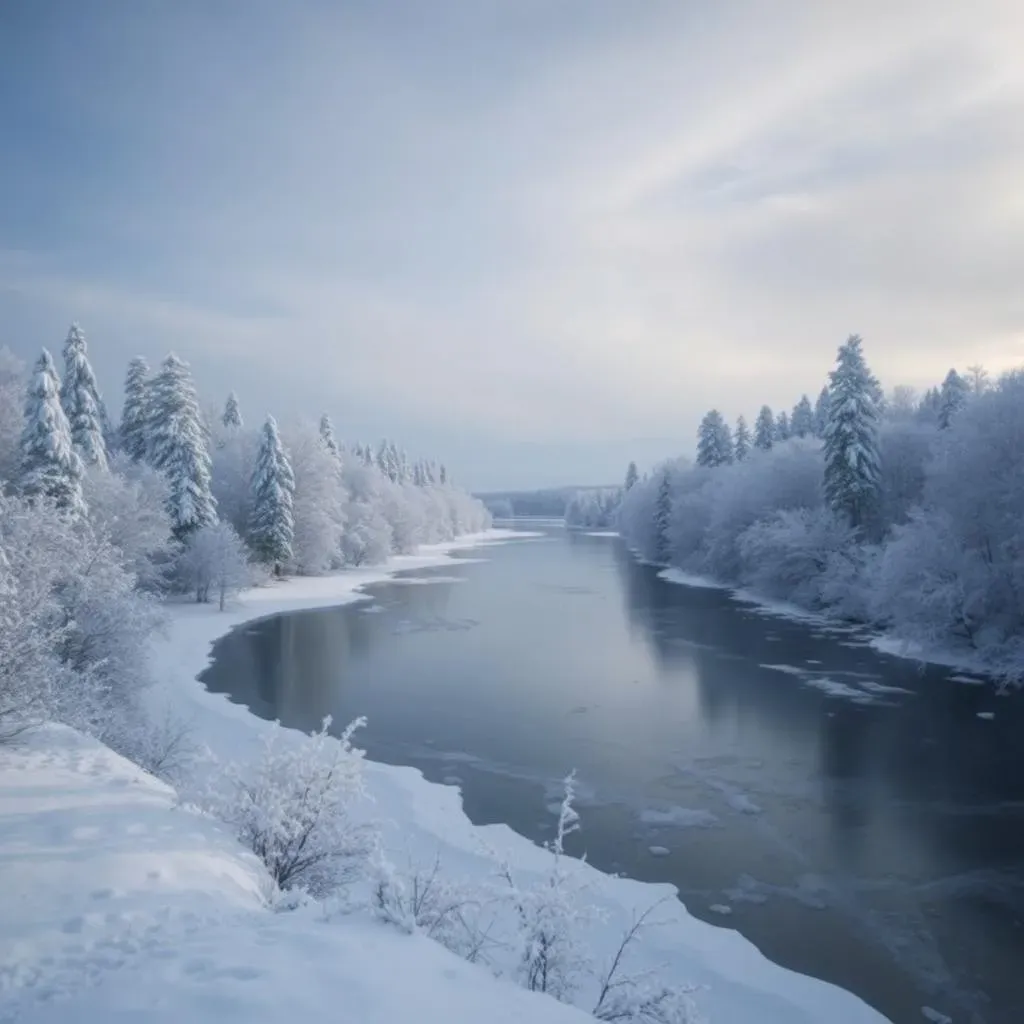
[126,906]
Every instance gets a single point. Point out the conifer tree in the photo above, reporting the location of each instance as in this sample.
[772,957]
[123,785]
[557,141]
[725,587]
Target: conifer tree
[714,441]
[952,398]
[232,415]
[631,476]
[801,423]
[178,447]
[852,465]
[764,429]
[821,413]
[80,399]
[741,439]
[663,519]
[443,475]
[135,412]
[782,430]
[327,438]
[50,466]
[271,522]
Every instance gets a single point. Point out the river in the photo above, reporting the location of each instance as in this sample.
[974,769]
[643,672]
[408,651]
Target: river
[858,818]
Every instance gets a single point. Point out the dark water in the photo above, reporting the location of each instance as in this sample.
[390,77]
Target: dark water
[872,835]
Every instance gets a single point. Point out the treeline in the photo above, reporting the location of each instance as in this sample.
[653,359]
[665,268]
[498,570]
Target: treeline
[98,521]
[900,511]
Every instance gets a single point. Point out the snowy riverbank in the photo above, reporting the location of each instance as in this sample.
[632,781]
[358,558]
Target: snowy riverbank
[132,908]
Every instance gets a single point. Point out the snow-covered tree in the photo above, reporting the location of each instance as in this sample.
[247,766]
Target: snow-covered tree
[714,441]
[50,466]
[741,439]
[271,523]
[631,475]
[12,400]
[80,399]
[663,518]
[764,429]
[327,438]
[178,447]
[318,513]
[852,465]
[977,379]
[231,418]
[821,413]
[801,423]
[214,558]
[443,475]
[135,411]
[782,429]
[952,398]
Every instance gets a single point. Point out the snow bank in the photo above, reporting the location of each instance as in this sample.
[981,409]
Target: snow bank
[133,909]
[121,906]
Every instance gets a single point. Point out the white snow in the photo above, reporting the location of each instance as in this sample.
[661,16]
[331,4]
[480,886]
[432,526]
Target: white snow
[122,905]
[689,579]
[987,715]
[659,851]
[601,533]
[720,908]
[678,817]
[934,1016]
[742,803]
[420,580]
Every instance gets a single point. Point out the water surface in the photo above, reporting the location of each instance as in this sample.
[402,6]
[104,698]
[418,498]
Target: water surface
[853,813]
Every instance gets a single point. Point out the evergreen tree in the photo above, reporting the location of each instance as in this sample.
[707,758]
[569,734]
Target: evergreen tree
[367,456]
[232,416]
[741,439]
[931,406]
[801,424]
[714,441]
[443,475]
[135,412]
[80,399]
[271,521]
[782,430]
[821,413]
[764,429]
[178,447]
[852,468]
[631,475]
[977,379]
[663,519]
[327,436]
[50,466]
[952,398]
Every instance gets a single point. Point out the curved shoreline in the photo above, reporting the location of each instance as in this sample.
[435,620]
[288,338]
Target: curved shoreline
[740,983]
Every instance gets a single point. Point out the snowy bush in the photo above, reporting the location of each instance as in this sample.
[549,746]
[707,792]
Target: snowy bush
[214,559]
[292,807]
[596,509]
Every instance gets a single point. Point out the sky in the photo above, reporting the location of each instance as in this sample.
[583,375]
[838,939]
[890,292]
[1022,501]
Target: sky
[533,238]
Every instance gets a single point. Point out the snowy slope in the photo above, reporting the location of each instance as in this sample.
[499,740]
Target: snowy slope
[218,956]
[119,906]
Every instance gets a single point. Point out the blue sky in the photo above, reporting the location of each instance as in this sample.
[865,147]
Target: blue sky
[535,237]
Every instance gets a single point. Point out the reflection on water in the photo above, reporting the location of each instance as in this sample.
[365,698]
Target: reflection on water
[852,813]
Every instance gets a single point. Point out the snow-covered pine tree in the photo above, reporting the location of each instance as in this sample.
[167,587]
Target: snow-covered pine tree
[135,412]
[50,466]
[663,519]
[782,429]
[177,446]
[631,476]
[764,429]
[327,438]
[271,523]
[231,418]
[443,475]
[821,413]
[714,441]
[801,423]
[80,399]
[852,465]
[952,398]
[741,440]
[367,456]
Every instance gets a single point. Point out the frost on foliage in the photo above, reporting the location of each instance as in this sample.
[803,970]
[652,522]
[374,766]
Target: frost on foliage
[953,397]
[764,429]
[135,411]
[318,510]
[178,447]
[821,413]
[271,526]
[742,441]
[632,475]
[50,467]
[292,807]
[782,428]
[801,423]
[852,466]
[596,508]
[327,438]
[214,559]
[80,398]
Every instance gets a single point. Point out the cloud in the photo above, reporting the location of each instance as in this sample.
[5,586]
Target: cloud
[567,225]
